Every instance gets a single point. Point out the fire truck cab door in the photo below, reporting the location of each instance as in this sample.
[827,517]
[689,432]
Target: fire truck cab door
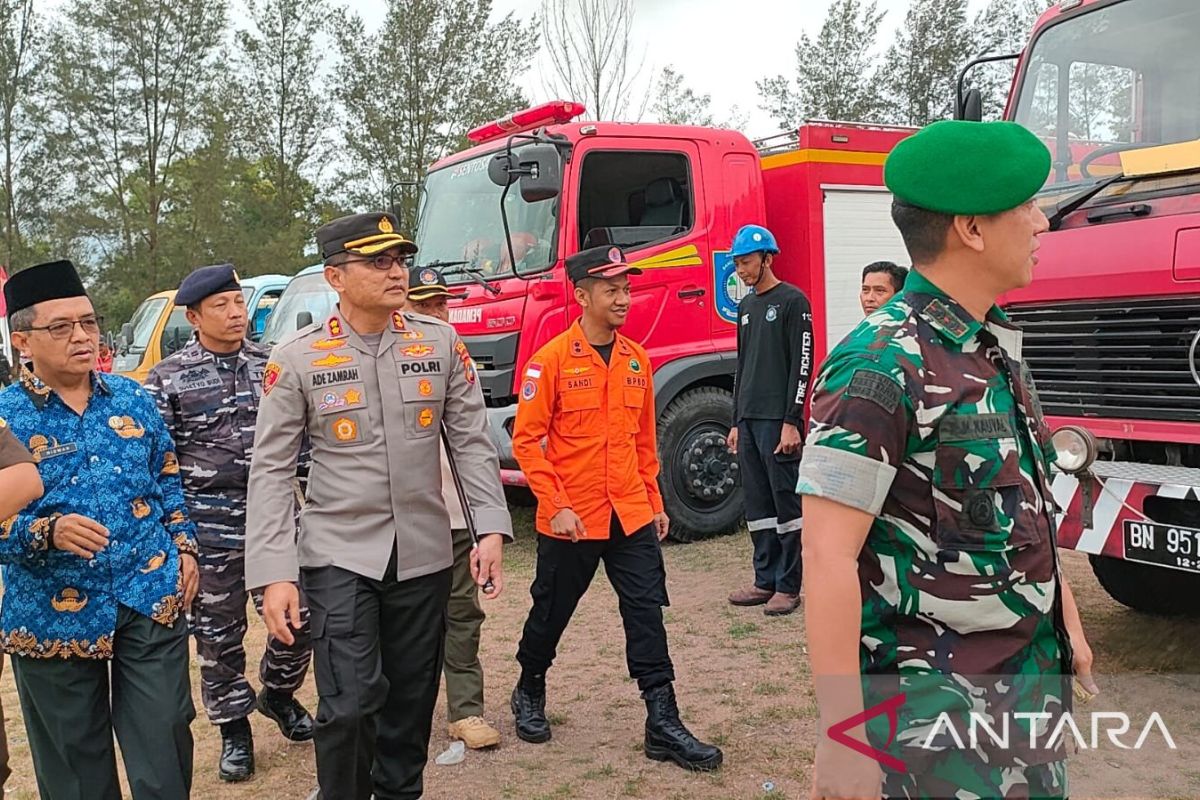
[646,196]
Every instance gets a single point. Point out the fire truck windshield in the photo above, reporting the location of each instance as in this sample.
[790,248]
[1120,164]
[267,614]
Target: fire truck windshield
[460,221]
[1123,76]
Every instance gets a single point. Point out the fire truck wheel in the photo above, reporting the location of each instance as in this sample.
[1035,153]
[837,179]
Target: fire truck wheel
[701,489]
[1149,589]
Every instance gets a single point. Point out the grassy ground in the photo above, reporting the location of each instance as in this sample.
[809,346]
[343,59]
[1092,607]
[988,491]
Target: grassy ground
[743,683]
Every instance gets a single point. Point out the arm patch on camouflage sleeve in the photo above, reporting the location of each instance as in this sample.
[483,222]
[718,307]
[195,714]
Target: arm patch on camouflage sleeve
[876,387]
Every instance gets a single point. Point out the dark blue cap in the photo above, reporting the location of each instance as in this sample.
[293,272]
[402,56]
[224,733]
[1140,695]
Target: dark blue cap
[205,282]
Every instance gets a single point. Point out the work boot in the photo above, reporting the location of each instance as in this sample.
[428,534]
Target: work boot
[781,604]
[529,709]
[750,596]
[475,733]
[294,721]
[667,739]
[237,752]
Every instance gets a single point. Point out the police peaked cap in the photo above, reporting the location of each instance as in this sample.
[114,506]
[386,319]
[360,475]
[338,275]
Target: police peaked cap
[362,235]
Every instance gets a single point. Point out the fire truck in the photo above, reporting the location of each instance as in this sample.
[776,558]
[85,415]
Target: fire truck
[1112,319]
[500,218]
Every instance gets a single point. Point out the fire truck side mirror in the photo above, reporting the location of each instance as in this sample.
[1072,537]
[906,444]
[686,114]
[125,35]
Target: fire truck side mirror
[501,170]
[540,167]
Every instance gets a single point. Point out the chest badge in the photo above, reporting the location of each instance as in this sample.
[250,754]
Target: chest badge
[126,428]
[328,344]
[417,350]
[772,313]
[332,360]
[425,388]
[345,430]
[425,418]
[635,366]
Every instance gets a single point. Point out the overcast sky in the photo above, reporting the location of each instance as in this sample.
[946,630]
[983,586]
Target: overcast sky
[720,46]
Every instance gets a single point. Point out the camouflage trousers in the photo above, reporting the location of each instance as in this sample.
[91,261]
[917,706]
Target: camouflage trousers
[957,777]
[219,624]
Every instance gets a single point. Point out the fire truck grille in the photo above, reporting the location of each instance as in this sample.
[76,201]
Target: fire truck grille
[1117,360]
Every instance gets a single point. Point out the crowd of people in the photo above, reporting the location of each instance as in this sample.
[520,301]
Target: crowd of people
[345,484]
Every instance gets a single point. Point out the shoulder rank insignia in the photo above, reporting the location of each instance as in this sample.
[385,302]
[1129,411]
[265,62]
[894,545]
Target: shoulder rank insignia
[398,320]
[334,326]
[946,318]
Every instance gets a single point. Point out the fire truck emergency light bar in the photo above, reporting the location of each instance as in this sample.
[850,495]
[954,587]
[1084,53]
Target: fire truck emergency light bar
[555,112]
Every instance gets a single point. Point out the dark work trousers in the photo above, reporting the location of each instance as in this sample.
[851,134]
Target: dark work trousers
[377,652]
[219,625]
[464,673]
[72,706]
[773,512]
[634,565]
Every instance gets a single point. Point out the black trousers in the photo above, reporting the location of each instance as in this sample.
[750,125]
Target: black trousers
[773,512]
[377,651]
[634,565]
[72,707]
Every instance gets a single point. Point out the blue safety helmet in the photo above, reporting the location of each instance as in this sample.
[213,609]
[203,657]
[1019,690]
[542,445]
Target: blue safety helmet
[753,239]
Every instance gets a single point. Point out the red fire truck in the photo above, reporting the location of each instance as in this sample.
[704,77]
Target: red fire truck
[1112,319]
[534,188]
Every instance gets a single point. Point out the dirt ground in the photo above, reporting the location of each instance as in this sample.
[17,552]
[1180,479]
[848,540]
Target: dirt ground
[743,683]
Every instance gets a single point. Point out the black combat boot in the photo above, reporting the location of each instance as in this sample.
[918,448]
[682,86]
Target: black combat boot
[666,737]
[237,751]
[294,721]
[529,709]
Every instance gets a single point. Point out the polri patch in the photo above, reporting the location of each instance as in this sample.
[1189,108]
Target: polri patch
[876,387]
[271,374]
[968,427]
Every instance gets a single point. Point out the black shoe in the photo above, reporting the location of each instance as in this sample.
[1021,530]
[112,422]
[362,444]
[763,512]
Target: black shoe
[667,739]
[237,752]
[529,708]
[294,721]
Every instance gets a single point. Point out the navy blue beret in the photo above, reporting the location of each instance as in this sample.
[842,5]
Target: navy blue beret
[205,282]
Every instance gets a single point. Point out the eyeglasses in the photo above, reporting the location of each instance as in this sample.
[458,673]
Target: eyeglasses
[384,263]
[64,328]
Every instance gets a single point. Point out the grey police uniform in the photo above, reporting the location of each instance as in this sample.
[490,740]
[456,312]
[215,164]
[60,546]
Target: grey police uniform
[210,406]
[375,550]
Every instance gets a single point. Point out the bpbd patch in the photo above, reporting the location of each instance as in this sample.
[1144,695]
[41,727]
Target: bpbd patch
[528,390]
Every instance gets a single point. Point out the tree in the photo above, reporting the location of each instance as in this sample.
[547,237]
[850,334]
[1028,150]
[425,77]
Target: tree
[677,104]
[128,78]
[1002,27]
[921,68]
[589,46]
[282,102]
[446,69]
[20,138]
[833,73]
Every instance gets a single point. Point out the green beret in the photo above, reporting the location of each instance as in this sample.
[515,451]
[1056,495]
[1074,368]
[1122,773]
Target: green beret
[967,168]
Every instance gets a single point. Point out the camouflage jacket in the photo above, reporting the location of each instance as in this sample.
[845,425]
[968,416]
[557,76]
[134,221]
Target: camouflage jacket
[211,411]
[115,464]
[926,418]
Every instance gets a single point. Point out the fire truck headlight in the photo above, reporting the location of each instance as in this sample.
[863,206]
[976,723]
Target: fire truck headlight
[1076,448]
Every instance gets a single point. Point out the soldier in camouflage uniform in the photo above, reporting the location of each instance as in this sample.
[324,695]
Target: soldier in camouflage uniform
[930,536]
[208,395]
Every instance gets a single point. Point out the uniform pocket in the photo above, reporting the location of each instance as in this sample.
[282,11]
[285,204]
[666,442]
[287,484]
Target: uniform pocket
[634,402]
[346,428]
[579,411]
[979,498]
[328,683]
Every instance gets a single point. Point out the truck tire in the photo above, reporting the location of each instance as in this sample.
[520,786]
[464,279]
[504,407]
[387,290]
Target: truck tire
[1149,589]
[701,488]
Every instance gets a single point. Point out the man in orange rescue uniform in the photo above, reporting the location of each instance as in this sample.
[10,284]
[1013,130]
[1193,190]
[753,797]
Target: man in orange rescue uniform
[589,393]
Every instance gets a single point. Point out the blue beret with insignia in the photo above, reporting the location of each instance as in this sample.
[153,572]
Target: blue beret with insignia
[205,282]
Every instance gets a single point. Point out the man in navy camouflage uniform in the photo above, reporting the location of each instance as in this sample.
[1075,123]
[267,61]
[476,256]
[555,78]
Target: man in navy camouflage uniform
[208,396]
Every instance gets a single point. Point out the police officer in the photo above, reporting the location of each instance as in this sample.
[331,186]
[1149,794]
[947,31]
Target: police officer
[208,396]
[464,674]
[371,387]
[589,393]
[774,362]
[99,571]
[929,545]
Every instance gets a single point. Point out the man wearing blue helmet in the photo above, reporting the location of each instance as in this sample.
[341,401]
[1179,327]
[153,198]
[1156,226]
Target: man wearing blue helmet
[775,342]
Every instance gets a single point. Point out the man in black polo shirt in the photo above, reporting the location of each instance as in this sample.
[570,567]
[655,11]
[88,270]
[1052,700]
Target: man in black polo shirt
[775,348]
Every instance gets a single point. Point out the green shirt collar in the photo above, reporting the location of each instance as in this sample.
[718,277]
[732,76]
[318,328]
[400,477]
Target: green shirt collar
[945,314]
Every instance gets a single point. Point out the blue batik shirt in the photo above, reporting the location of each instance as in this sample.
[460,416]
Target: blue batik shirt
[115,464]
